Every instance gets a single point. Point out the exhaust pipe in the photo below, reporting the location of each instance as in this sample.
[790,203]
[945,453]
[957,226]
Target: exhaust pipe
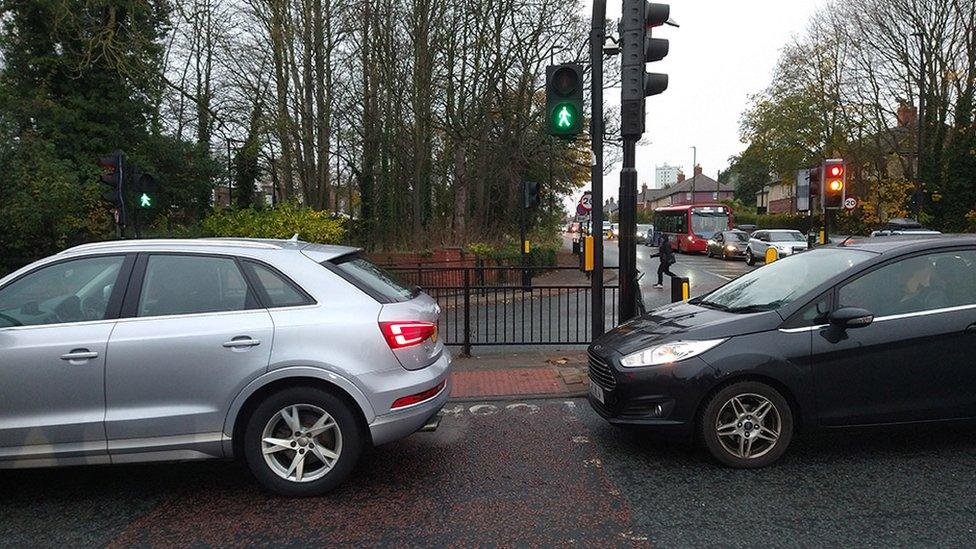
[432,424]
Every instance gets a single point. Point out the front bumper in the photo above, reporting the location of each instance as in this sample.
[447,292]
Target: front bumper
[664,398]
[393,425]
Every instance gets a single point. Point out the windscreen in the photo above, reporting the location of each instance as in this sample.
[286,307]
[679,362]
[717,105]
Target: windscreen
[374,279]
[705,223]
[783,281]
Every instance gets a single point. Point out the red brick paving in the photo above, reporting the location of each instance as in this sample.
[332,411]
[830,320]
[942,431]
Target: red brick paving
[506,382]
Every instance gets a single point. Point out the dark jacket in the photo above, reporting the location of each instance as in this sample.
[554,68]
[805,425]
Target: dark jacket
[665,252]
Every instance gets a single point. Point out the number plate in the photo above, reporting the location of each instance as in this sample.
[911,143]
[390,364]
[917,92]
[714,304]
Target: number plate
[597,392]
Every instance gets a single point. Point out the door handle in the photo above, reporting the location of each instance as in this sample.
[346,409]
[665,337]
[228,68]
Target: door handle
[79,354]
[242,342]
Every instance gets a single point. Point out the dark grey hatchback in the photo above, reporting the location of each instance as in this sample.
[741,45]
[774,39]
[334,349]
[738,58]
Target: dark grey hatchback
[869,333]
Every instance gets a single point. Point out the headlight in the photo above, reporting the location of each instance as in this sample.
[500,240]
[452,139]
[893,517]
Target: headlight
[668,353]
[730,248]
[690,238]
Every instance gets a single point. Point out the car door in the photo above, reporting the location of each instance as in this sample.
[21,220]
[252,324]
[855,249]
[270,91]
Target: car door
[193,334]
[55,324]
[718,245]
[914,361]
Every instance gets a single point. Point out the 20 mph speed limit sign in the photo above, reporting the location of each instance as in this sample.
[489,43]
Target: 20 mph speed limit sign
[850,203]
[585,204]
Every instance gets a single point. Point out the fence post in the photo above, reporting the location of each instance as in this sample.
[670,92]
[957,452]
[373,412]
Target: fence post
[466,347]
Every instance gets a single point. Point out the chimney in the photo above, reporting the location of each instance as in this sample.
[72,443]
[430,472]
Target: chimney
[907,115]
[698,170]
[681,176]
[644,187]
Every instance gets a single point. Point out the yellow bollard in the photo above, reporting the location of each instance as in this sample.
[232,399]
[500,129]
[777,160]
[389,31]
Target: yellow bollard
[588,253]
[685,290]
[526,246]
[823,237]
[771,255]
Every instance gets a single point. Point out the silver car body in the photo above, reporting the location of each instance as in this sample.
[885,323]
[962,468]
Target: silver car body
[148,388]
[764,239]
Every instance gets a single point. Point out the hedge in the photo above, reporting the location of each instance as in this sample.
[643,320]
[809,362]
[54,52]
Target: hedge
[283,221]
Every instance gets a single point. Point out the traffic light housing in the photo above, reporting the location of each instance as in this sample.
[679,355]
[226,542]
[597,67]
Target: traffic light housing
[834,185]
[113,176]
[146,192]
[637,49]
[815,181]
[530,197]
[564,100]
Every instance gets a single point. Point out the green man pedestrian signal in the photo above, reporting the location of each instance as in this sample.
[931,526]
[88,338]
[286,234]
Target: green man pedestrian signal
[146,192]
[564,100]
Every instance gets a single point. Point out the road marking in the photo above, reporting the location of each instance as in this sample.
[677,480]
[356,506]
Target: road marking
[581,439]
[530,408]
[718,275]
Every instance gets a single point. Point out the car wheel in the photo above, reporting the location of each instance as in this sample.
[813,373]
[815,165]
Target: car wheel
[750,259]
[724,256]
[302,441]
[747,425]
[708,252]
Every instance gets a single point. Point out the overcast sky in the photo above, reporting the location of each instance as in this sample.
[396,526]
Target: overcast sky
[723,51]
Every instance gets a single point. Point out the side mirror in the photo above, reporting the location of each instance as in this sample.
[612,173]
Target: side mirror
[851,317]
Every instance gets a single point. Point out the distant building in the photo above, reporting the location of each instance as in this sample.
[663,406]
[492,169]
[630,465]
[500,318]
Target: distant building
[665,175]
[700,189]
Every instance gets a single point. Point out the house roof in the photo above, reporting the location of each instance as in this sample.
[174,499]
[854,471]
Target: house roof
[702,183]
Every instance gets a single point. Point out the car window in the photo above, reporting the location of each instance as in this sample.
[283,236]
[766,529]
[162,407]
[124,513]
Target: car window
[183,284]
[814,314]
[786,237]
[71,291]
[374,279]
[737,237]
[280,291]
[920,283]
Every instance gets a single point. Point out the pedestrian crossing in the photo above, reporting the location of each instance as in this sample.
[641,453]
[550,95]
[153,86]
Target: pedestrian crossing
[727,270]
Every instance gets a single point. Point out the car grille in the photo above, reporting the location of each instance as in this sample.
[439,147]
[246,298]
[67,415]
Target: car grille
[600,373]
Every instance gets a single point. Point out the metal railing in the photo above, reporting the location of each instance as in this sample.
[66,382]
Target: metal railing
[491,306]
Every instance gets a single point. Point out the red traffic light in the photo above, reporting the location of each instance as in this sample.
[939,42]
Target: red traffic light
[836,170]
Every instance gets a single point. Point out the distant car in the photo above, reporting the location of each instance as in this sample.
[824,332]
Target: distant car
[901,226]
[784,241]
[645,232]
[608,230]
[746,228]
[728,245]
[573,228]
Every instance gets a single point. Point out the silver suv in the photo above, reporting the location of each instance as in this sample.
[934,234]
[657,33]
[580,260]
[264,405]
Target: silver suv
[291,355]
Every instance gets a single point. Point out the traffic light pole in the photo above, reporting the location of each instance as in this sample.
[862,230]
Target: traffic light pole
[597,37]
[627,241]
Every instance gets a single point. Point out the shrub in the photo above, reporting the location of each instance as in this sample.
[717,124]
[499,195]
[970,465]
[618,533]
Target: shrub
[281,222]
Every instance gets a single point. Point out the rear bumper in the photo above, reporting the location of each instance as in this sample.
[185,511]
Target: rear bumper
[390,425]
[402,423]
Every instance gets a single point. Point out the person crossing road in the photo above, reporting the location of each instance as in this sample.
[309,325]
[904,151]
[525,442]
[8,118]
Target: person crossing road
[666,254]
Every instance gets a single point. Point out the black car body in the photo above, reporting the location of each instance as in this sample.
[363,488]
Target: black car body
[728,245]
[836,362]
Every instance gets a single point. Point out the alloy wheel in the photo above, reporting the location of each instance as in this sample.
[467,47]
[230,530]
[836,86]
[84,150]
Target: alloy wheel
[748,426]
[301,443]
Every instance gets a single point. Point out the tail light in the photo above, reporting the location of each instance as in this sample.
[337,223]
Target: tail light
[419,397]
[401,334]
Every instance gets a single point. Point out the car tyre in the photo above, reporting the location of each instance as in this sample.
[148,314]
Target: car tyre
[750,259]
[746,425]
[314,409]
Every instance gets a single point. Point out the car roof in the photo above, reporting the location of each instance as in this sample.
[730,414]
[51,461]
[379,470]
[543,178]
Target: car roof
[226,245]
[908,243]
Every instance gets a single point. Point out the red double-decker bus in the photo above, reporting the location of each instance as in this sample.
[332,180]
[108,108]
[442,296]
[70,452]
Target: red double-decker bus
[689,227]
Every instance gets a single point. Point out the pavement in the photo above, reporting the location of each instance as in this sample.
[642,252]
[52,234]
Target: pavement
[523,372]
